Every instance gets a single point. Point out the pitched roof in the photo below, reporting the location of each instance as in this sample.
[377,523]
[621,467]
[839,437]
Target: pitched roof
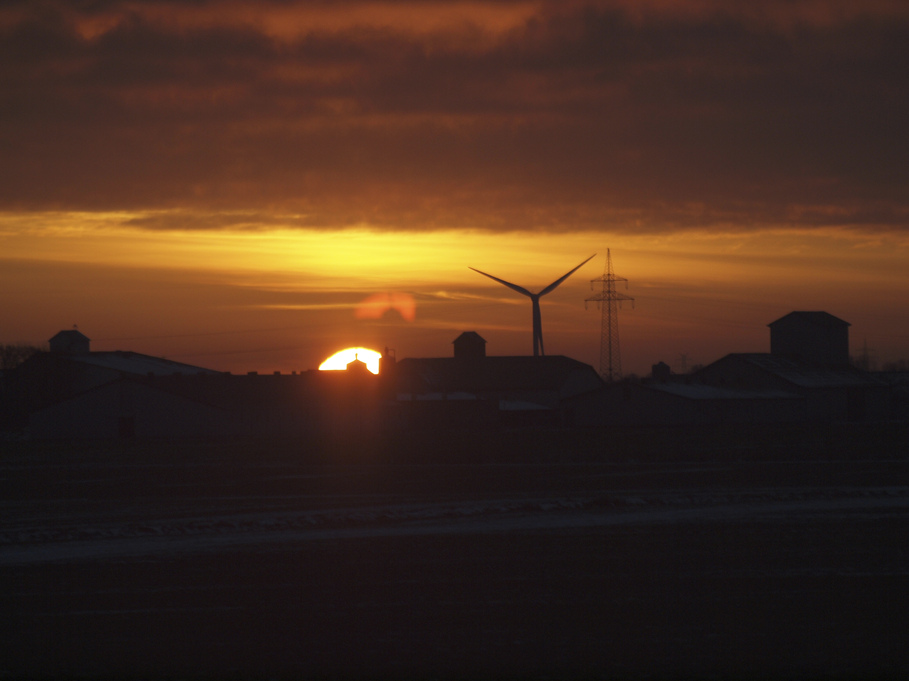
[70,335]
[804,374]
[139,364]
[472,336]
[818,318]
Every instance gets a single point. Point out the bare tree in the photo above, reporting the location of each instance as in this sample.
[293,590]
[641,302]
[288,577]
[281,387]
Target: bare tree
[13,354]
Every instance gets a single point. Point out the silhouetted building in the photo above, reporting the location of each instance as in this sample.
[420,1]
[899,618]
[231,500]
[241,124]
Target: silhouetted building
[62,374]
[511,389]
[357,366]
[660,372]
[387,362]
[831,392]
[809,357]
[806,377]
[73,392]
[472,388]
[129,407]
[469,345]
[817,337]
[71,341]
[676,403]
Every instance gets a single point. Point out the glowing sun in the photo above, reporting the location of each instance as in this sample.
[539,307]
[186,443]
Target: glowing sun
[340,360]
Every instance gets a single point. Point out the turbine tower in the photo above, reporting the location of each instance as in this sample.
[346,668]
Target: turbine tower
[535,300]
[608,300]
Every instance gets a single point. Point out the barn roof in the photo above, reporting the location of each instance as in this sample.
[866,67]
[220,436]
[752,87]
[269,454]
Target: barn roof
[803,374]
[471,336]
[139,364]
[817,318]
[69,335]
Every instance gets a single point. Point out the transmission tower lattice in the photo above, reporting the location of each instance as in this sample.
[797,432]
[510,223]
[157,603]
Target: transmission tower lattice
[609,300]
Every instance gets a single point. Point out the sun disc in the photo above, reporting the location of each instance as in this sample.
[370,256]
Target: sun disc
[340,360]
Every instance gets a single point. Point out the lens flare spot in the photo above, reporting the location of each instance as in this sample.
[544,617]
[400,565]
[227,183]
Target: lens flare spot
[375,306]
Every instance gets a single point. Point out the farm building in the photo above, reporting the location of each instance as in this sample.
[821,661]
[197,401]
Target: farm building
[831,393]
[127,408]
[815,337]
[471,386]
[72,390]
[676,403]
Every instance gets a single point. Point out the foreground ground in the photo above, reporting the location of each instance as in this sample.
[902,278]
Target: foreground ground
[673,557]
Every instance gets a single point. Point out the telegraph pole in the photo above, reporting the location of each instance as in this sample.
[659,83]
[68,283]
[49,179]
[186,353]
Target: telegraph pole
[608,300]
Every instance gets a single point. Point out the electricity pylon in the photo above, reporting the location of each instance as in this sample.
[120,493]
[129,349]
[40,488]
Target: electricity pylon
[608,300]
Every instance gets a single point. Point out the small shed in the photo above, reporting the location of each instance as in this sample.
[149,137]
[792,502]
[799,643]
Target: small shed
[469,345]
[71,342]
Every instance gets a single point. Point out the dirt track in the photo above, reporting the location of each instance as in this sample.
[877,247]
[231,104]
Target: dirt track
[273,568]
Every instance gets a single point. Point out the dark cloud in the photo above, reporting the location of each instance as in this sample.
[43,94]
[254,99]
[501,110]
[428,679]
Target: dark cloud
[582,116]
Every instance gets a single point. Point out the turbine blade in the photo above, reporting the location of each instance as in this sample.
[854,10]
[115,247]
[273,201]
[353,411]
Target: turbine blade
[514,287]
[558,281]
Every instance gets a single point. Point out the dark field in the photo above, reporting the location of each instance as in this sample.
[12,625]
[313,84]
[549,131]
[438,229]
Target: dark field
[637,554]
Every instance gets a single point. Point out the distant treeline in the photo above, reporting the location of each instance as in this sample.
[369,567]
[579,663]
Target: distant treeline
[13,354]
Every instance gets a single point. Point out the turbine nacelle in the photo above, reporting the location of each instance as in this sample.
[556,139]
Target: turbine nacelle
[535,300]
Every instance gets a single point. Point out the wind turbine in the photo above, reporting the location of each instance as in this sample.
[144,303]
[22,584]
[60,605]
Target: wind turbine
[535,299]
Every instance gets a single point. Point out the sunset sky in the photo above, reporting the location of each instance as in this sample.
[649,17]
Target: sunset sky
[222,183]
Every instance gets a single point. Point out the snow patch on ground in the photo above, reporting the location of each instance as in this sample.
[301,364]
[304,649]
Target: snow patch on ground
[27,538]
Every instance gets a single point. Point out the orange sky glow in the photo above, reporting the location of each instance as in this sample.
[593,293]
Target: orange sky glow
[226,183]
